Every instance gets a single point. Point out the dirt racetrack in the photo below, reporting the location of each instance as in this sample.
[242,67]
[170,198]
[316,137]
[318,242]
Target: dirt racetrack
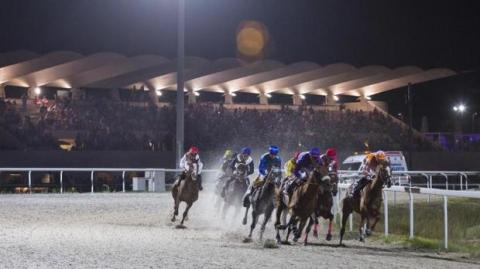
[133,230]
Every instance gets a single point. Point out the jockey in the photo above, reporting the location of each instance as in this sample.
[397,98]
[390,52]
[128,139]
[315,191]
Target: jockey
[330,159]
[306,162]
[226,162]
[245,158]
[368,172]
[290,165]
[268,161]
[190,158]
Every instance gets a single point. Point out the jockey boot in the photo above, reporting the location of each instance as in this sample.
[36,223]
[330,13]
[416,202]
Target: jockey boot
[199,181]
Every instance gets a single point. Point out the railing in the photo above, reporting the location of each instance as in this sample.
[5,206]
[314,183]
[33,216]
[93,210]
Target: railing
[428,175]
[92,173]
[415,190]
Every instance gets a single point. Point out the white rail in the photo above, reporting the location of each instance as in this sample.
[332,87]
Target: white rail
[416,190]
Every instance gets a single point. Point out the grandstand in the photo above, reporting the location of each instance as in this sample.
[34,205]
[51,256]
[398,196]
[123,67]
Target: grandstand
[79,119]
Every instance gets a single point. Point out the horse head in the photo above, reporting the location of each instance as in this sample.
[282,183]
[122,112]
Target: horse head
[320,175]
[192,171]
[384,173]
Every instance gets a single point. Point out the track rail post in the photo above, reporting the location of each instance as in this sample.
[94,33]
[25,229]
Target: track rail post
[61,181]
[411,214]
[445,221]
[385,213]
[91,180]
[123,181]
[30,181]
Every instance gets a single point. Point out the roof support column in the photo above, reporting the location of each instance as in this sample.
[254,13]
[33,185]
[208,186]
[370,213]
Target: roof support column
[297,100]
[263,98]
[31,93]
[330,99]
[192,97]
[2,91]
[228,98]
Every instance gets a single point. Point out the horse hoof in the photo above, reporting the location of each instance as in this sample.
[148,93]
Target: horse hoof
[247,240]
[329,237]
[342,245]
[180,226]
[244,221]
[173,219]
[295,239]
[286,243]
[315,234]
[368,232]
[361,239]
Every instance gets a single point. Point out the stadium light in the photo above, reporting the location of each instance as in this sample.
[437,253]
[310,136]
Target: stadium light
[37,91]
[368,98]
[460,108]
[336,98]
[268,95]
[159,92]
[196,93]
[233,94]
[303,97]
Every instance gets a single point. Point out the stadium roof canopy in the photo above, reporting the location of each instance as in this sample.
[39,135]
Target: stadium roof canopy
[65,69]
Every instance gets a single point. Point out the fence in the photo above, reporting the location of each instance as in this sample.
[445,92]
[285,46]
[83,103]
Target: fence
[415,190]
[463,175]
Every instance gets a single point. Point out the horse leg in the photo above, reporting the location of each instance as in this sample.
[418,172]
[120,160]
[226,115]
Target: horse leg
[346,211]
[376,219]
[330,226]
[245,217]
[315,225]
[175,208]
[266,217]
[290,225]
[361,229]
[298,234]
[224,210]
[278,215]
[254,223]
[311,222]
[185,213]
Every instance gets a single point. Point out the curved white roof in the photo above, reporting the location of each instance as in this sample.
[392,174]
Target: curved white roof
[66,69]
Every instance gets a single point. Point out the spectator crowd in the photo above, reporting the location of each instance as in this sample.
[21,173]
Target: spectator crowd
[101,124]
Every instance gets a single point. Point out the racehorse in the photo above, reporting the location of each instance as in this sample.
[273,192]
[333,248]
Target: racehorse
[369,203]
[262,202]
[235,190]
[185,191]
[303,204]
[325,203]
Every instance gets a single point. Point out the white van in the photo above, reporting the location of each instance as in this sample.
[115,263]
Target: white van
[355,163]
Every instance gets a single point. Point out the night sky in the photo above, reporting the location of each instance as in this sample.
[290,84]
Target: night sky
[391,33]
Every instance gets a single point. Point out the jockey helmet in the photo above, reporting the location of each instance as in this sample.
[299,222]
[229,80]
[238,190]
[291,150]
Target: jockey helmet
[331,153]
[380,155]
[273,150]
[315,152]
[228,154]
[193,150]
[246,151]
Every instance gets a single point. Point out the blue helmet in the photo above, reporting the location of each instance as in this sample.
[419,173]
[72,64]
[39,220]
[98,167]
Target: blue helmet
[246,150]
[273,150]
[315,152]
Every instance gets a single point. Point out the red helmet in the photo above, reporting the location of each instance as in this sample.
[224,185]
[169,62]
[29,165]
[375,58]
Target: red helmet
[331,152]
[193,149]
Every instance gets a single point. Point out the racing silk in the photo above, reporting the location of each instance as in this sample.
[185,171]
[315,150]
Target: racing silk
[226,164]
[290,167]
[368,171]
[331,163]
[267,162]
[305,164]
[189,159]
[249,162]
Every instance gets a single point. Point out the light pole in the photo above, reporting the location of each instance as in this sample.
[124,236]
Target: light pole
[180,81]
[473,121]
